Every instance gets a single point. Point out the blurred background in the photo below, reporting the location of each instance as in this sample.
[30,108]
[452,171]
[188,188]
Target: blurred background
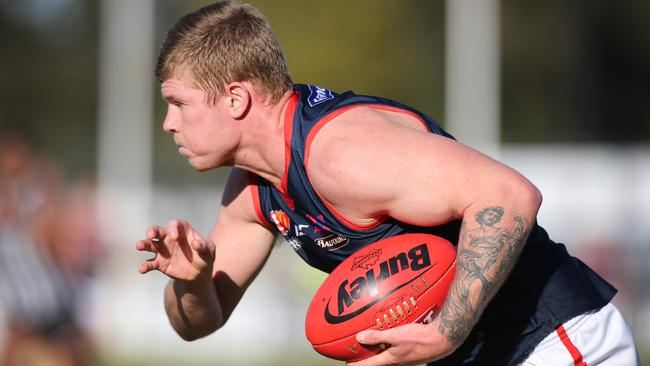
[557,89]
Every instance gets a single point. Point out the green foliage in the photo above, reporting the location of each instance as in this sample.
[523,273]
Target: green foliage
[387,48]
[575,71]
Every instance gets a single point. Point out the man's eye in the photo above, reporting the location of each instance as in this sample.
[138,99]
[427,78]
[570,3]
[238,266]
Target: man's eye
[175,102]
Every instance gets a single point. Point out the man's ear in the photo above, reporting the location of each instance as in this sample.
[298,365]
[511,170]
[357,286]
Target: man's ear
[238,98]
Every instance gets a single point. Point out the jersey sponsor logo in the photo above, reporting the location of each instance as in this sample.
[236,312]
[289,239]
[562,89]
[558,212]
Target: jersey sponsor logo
[298,229]
[332,242]
[294,242]
[416,259]
[281,220]
[318,95]
[283,223]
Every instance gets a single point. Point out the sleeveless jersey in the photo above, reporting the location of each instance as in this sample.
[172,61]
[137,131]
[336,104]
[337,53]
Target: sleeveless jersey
[545,288]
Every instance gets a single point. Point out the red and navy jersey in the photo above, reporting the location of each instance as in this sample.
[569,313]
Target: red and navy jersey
[546,287]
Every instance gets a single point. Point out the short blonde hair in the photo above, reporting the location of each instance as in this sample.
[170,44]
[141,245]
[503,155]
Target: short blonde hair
[221,43]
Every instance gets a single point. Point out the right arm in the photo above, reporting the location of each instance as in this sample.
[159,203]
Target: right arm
[208,276]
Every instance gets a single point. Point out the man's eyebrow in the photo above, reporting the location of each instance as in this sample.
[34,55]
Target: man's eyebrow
[170,98]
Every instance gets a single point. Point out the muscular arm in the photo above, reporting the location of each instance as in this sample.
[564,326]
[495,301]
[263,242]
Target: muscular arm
[192,307]
[485,257]
[200,306]
[371,167]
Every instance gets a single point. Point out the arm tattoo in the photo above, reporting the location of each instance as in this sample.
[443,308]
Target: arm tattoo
[486,254]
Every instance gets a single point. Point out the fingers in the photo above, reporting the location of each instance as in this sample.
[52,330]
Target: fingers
[177,229]
[200,246]
[155,231]
[157,235]
[177,247]
[148,245]
[371,337]
[204,248]
[410,332]
[153,238]
[408,344]
[154,235]
[147,266]
[384,358]
[180,229]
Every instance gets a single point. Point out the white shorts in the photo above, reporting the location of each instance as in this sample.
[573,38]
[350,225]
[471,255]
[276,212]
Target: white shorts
[598,338]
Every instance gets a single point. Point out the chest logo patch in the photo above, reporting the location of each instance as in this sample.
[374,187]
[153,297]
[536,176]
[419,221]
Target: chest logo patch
[318,95]
[332,242]
[281,220]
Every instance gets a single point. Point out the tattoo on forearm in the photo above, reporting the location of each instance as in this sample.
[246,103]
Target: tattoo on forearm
[486,254]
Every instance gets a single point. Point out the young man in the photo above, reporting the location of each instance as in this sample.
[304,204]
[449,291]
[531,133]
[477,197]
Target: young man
[313,165]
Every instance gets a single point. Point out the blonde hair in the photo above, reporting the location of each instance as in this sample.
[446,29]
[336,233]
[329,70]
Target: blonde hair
[221,43]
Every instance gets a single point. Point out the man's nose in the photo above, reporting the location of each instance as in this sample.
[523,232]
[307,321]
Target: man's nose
[171,122]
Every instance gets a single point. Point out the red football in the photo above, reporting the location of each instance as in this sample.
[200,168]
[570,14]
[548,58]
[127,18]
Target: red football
[401,279]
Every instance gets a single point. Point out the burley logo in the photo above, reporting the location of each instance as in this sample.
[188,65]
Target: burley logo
[318,95]
[416,261]
[281,220]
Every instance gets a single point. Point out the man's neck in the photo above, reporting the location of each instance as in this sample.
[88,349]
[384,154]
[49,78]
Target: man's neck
[263,147]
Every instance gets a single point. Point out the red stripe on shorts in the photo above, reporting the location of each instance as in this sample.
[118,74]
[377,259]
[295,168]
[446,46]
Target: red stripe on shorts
[573,350]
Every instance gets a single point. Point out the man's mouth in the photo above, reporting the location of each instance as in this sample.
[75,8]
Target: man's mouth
[183,150]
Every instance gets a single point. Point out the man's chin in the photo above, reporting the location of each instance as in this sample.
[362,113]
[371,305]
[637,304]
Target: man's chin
[200,165]
[202,169]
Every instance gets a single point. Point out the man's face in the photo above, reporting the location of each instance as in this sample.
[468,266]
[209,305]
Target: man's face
[203,131]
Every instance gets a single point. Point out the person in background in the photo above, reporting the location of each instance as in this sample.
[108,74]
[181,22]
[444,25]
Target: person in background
[40,269]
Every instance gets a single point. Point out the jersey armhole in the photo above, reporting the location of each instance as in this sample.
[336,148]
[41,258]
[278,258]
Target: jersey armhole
[257,205]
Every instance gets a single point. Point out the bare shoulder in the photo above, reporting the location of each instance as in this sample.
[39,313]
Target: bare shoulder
[369,164]
[355,158]
[358,134]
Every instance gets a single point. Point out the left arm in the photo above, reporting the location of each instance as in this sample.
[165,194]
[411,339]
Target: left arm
[442,180]
[484,260]
[485,257]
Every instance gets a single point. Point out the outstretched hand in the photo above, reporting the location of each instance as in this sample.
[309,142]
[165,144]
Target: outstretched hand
[408,344]
[180,252]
